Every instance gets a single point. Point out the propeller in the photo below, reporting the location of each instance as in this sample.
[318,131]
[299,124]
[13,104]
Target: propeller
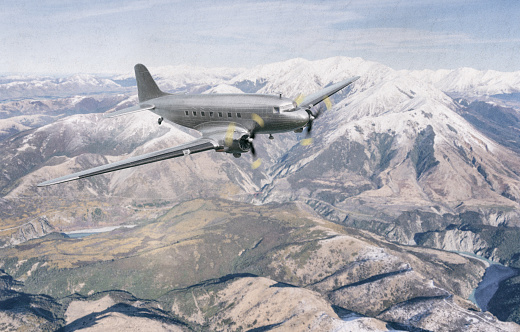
[312,116]
[228,138]
[246,141]
[256,161]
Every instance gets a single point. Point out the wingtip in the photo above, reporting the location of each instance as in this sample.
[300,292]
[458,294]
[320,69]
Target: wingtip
[56,181]
[43,184]
[351,80]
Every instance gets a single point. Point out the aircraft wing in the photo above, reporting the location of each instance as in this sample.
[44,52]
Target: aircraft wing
[199,145]
[128,110]
[223,133]
[319,96]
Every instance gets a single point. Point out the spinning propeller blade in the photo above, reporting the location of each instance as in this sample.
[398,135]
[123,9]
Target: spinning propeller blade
[228,139]
[255,164]
[299,99]
[256,161]
[256,118]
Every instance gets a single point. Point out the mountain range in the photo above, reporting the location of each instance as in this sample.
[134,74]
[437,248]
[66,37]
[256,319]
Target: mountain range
[421,158]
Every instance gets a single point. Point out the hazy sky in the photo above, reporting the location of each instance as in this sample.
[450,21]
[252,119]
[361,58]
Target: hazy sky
[100,36]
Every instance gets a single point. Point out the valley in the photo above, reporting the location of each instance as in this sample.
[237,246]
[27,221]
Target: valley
[270,256]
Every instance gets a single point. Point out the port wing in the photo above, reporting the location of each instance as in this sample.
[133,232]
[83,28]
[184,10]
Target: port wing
[199,145]
[128,110]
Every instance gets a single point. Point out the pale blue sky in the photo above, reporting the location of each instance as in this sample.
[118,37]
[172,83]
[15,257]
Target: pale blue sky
[62,37]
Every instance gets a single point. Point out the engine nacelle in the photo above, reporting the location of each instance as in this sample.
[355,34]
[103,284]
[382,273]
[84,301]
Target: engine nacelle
[240,145]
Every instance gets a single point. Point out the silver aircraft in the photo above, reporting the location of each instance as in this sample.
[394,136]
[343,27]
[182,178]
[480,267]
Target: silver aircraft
[227,122]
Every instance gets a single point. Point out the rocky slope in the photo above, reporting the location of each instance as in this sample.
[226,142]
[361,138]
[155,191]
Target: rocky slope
[269,257]
[394,153]
[21,115]
[497,122]
[26,312]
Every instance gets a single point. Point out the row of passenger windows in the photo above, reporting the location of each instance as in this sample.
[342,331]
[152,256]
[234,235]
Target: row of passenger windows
[212,114]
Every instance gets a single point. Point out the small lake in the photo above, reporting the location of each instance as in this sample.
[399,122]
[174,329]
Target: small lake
[78,234]
[494,275]
[488,286]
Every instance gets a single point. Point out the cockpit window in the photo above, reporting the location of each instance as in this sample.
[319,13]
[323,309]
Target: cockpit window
[284,108]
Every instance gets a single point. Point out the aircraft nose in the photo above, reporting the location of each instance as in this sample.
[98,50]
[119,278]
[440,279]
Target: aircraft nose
[303,117]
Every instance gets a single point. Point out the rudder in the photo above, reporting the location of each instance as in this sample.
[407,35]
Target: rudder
[146,87]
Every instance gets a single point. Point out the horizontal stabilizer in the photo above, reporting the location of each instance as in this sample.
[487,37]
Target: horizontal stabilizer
[133,109]
[199,145]
[321,95]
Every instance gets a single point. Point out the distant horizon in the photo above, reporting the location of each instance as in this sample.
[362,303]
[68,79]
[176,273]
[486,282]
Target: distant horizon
[130,70]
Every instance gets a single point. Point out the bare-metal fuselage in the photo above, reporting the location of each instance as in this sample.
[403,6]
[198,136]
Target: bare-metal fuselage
[261,114]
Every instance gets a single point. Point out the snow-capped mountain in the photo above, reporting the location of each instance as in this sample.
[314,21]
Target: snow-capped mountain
[291,77]
[470,82]
[185,77]
[393,143]
[39,87]
[300,76]
[398,145]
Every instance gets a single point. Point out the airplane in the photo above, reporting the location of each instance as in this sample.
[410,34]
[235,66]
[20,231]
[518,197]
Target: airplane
[228,122]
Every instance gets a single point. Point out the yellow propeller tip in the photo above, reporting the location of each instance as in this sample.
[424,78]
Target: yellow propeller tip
[256,164]
[328,103]
[228,139]
[258,119]
[306,141]
[299,99]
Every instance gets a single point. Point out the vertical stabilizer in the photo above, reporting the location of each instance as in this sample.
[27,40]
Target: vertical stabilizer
[146,87]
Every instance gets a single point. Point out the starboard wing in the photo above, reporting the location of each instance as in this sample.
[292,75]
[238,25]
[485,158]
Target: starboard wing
[319,96]
[199,145]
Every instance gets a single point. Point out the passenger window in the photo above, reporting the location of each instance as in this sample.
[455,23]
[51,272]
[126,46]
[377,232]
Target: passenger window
[194,113]
[239,115]
[219,114]
[186,112]
[211,114]
[229,115]
[202,113]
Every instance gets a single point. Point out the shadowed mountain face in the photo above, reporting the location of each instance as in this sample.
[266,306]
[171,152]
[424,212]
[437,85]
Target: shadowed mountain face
[395,156]
[502,124]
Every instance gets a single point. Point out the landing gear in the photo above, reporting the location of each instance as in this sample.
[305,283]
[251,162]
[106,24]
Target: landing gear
[160,120]
[237,155]
[271,136]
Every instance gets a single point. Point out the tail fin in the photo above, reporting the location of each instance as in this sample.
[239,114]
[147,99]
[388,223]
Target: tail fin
[146,87]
